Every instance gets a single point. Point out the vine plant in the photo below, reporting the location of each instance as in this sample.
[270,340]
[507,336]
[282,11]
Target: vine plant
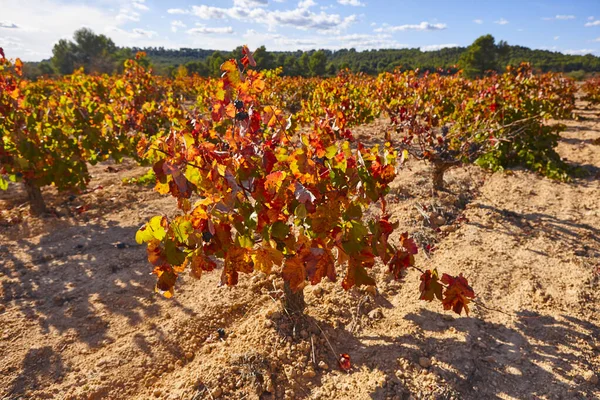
[259,195]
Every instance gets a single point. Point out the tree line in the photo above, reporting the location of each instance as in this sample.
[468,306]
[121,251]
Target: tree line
[99,54]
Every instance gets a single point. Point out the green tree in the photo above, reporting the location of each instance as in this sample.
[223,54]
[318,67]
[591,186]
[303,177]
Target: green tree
[482,56]
[264,59]
[197,67]
[303,65]
[95,53]
[290,66]
[317,63]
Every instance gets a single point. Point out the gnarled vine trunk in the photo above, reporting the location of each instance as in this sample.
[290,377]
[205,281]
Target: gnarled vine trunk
[36,201]
[437,175]
[293,302]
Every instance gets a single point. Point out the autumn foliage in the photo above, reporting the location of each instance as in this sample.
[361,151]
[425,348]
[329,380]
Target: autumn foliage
[258,194]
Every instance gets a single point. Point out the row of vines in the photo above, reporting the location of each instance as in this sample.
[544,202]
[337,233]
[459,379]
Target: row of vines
[265,169]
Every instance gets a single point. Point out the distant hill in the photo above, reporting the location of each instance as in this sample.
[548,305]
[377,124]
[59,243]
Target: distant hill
[376,61]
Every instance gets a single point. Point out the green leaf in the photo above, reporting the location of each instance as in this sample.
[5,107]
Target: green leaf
[300,211]
[331,151]
[182,230]
[279,230]
[3,184]
[174,255]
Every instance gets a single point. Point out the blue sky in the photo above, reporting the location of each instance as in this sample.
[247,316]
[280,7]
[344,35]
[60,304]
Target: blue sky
[29,28]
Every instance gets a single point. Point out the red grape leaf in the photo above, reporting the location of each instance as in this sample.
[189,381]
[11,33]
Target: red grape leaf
[408,243]
[319,263]
[356,275]
[430,286]
[457,293]
[344,362]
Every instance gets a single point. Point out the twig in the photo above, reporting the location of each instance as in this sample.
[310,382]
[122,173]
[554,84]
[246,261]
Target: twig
[480,304]
[326,339]
[312,345]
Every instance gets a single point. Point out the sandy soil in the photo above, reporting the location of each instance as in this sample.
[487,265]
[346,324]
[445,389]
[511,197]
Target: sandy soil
[79,318]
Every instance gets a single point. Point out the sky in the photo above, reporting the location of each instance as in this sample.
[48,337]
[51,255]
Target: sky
[29,28]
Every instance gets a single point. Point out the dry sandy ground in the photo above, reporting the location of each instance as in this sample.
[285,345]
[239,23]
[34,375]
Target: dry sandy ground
[79,318]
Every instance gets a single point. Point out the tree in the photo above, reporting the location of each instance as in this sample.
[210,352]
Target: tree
[482,56]
[197,67]
[317,63]
[264,59]
[95,53]
[290,66]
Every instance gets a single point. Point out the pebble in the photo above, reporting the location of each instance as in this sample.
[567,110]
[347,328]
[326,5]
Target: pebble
[317,291]
[268,323]
[189,355]
[323,365]
[448,228]
[216,392]
[309,374]
[376,314]
[590,377]
[424,362]
[371,290]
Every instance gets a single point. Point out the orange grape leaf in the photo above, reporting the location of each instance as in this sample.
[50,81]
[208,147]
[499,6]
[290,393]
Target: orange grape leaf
[294,273]
[264,258]
[166,281]
[200,262]
[274,181]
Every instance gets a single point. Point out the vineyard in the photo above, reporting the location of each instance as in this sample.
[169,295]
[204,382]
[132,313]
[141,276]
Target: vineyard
[261,236]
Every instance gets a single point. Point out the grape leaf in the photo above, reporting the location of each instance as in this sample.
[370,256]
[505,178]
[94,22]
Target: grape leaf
[294,273]
[457,293]
[430,286]
[319,263]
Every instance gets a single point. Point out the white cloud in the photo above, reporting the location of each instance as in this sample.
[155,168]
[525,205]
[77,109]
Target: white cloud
[126,14]
[593,23]
[434,47]
[300,17]
[207,12]
[139,4]
[501,21]
[596,40]
[8,25]
[177,11]
[202,30]
[334,42]
[423,26]
[355,3]
[559,17]
[478,21]
[306,4]
[556,37]
[177,24]
[250,3]
[136,33]
[579,52]
[142,32]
